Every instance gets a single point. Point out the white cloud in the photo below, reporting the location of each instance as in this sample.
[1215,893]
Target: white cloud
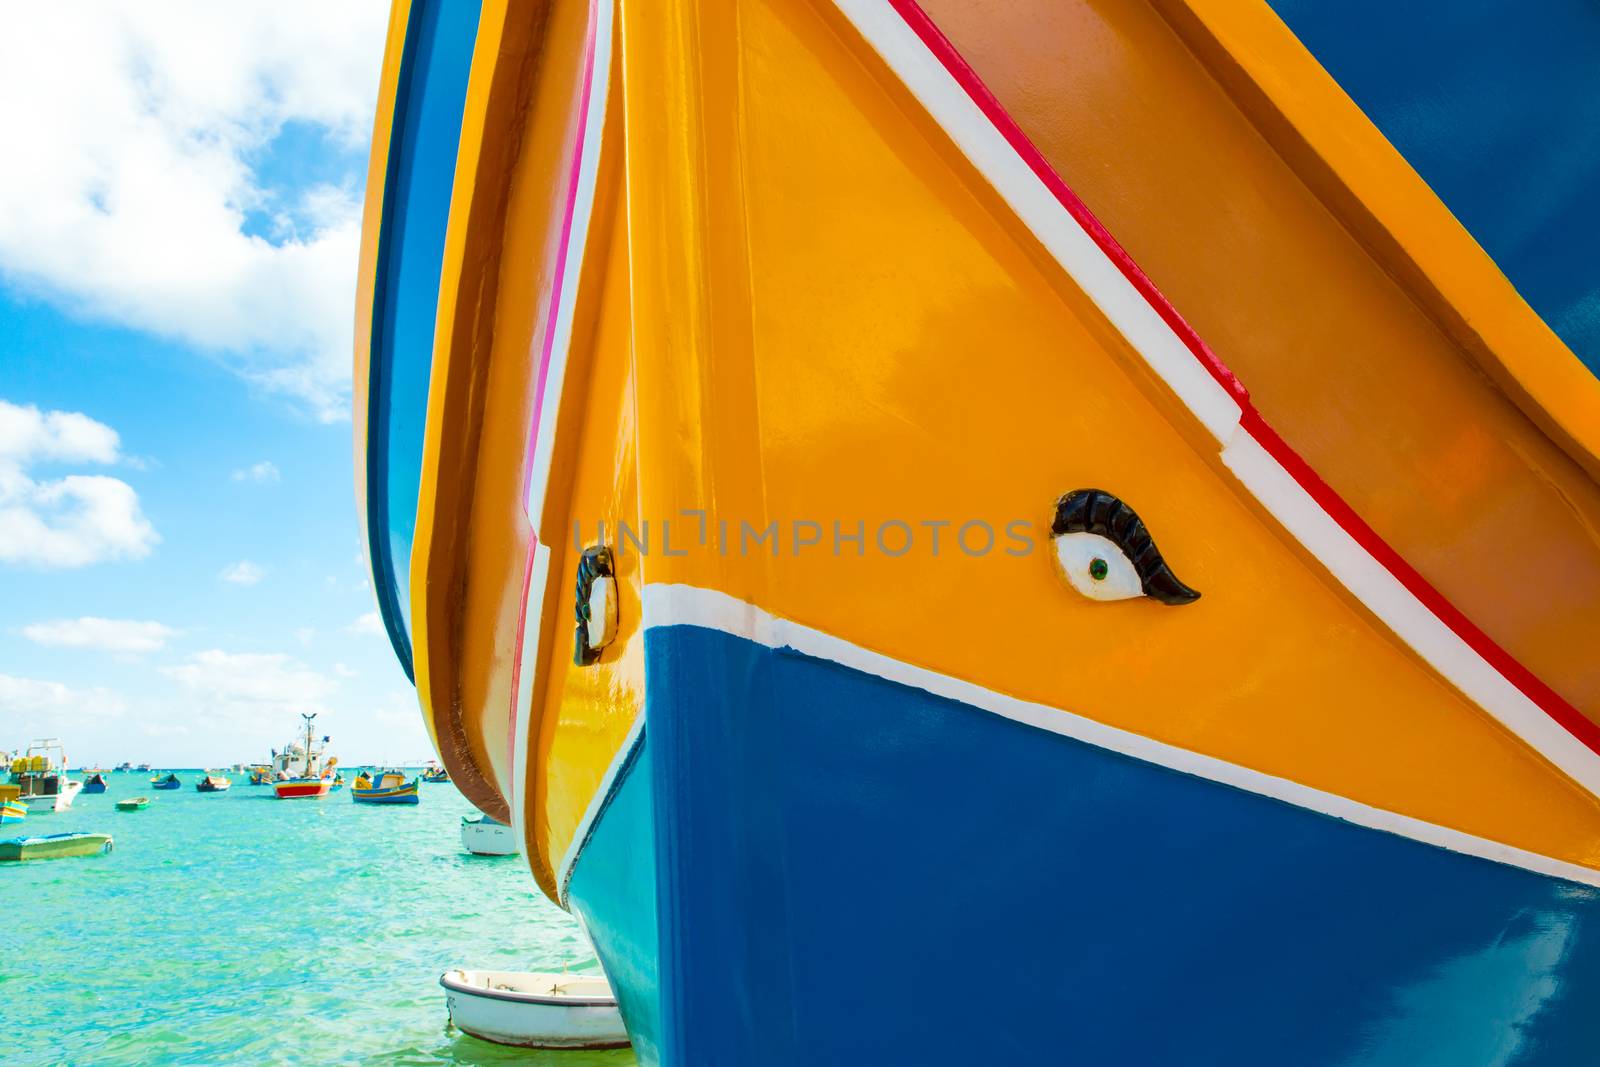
[70,521]
[108,635]
[265,471]
[305,635]
[145,193]
[369,624]
[242,573]
[28,435]
[41,705]
[247,684]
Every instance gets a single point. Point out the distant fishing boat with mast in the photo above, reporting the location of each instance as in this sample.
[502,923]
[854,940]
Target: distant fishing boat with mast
[314,776]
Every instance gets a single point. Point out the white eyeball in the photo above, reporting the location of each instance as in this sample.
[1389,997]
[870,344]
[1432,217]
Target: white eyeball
[1096,567]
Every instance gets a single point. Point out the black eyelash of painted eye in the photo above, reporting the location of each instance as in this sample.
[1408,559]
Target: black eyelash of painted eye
[1099,512]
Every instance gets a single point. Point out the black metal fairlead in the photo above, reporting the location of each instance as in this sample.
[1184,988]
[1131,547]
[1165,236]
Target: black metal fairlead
[1098,512]
[595,563]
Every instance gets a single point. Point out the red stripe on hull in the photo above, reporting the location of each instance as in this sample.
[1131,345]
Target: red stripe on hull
[290,790]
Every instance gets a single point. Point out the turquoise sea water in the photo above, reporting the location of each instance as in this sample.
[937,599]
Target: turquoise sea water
[236,928]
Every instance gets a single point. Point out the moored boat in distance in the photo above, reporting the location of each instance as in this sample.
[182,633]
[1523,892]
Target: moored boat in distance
[487,836]
[435,773]
[124,767]
[535,1009]
[54,846]
[143,767]
[385,787]
[12,809]
[167,781]
[312,776]
[42,777]
[213,783]
[95,782]
[133,804]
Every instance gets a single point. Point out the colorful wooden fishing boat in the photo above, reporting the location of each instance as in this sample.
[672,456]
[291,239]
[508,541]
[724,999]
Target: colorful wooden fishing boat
[385,787]
[95,782]
[310,775]
[133,804]
[1101,491]
[12,809]
[54,846]
[214,783]
[435,773]
[166,781]
[535,1010]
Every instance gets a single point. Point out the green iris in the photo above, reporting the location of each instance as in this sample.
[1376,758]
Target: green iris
[1098,569]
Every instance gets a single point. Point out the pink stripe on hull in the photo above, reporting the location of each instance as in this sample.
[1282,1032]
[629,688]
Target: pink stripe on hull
[553,313]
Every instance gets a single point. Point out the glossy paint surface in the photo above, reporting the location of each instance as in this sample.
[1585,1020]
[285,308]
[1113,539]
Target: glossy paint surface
[585,713]
[1347,161]
[1330,336]
[1495,106]
[834,361]
[422,153]
[1262,933]
[803,302]
[613,893]
[474,537]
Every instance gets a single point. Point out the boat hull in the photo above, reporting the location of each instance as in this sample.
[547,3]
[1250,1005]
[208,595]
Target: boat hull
[525,1021]
[483,838]
[94,786]
[298,788]
[405,795]
[12,813]
[133,804]
[1262,928]
[1271,820]
[56,846]
[55,801]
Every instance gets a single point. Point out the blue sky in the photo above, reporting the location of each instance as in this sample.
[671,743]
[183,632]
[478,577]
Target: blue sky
[180,556]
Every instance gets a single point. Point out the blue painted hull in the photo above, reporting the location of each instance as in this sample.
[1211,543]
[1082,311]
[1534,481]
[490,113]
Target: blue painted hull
[94,787]
[1493,103]
[168,785]
[362,796]
[418,184]
[805,864]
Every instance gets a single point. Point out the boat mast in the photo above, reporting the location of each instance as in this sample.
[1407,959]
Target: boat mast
[308,719]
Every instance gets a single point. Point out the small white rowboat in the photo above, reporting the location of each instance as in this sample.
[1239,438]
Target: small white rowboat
[485,836]
[535,1010]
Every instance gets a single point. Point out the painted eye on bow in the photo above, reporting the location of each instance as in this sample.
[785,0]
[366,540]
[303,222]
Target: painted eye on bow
[1106,553]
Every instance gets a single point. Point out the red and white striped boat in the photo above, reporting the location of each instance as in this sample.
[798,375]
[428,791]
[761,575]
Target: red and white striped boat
[316,775]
